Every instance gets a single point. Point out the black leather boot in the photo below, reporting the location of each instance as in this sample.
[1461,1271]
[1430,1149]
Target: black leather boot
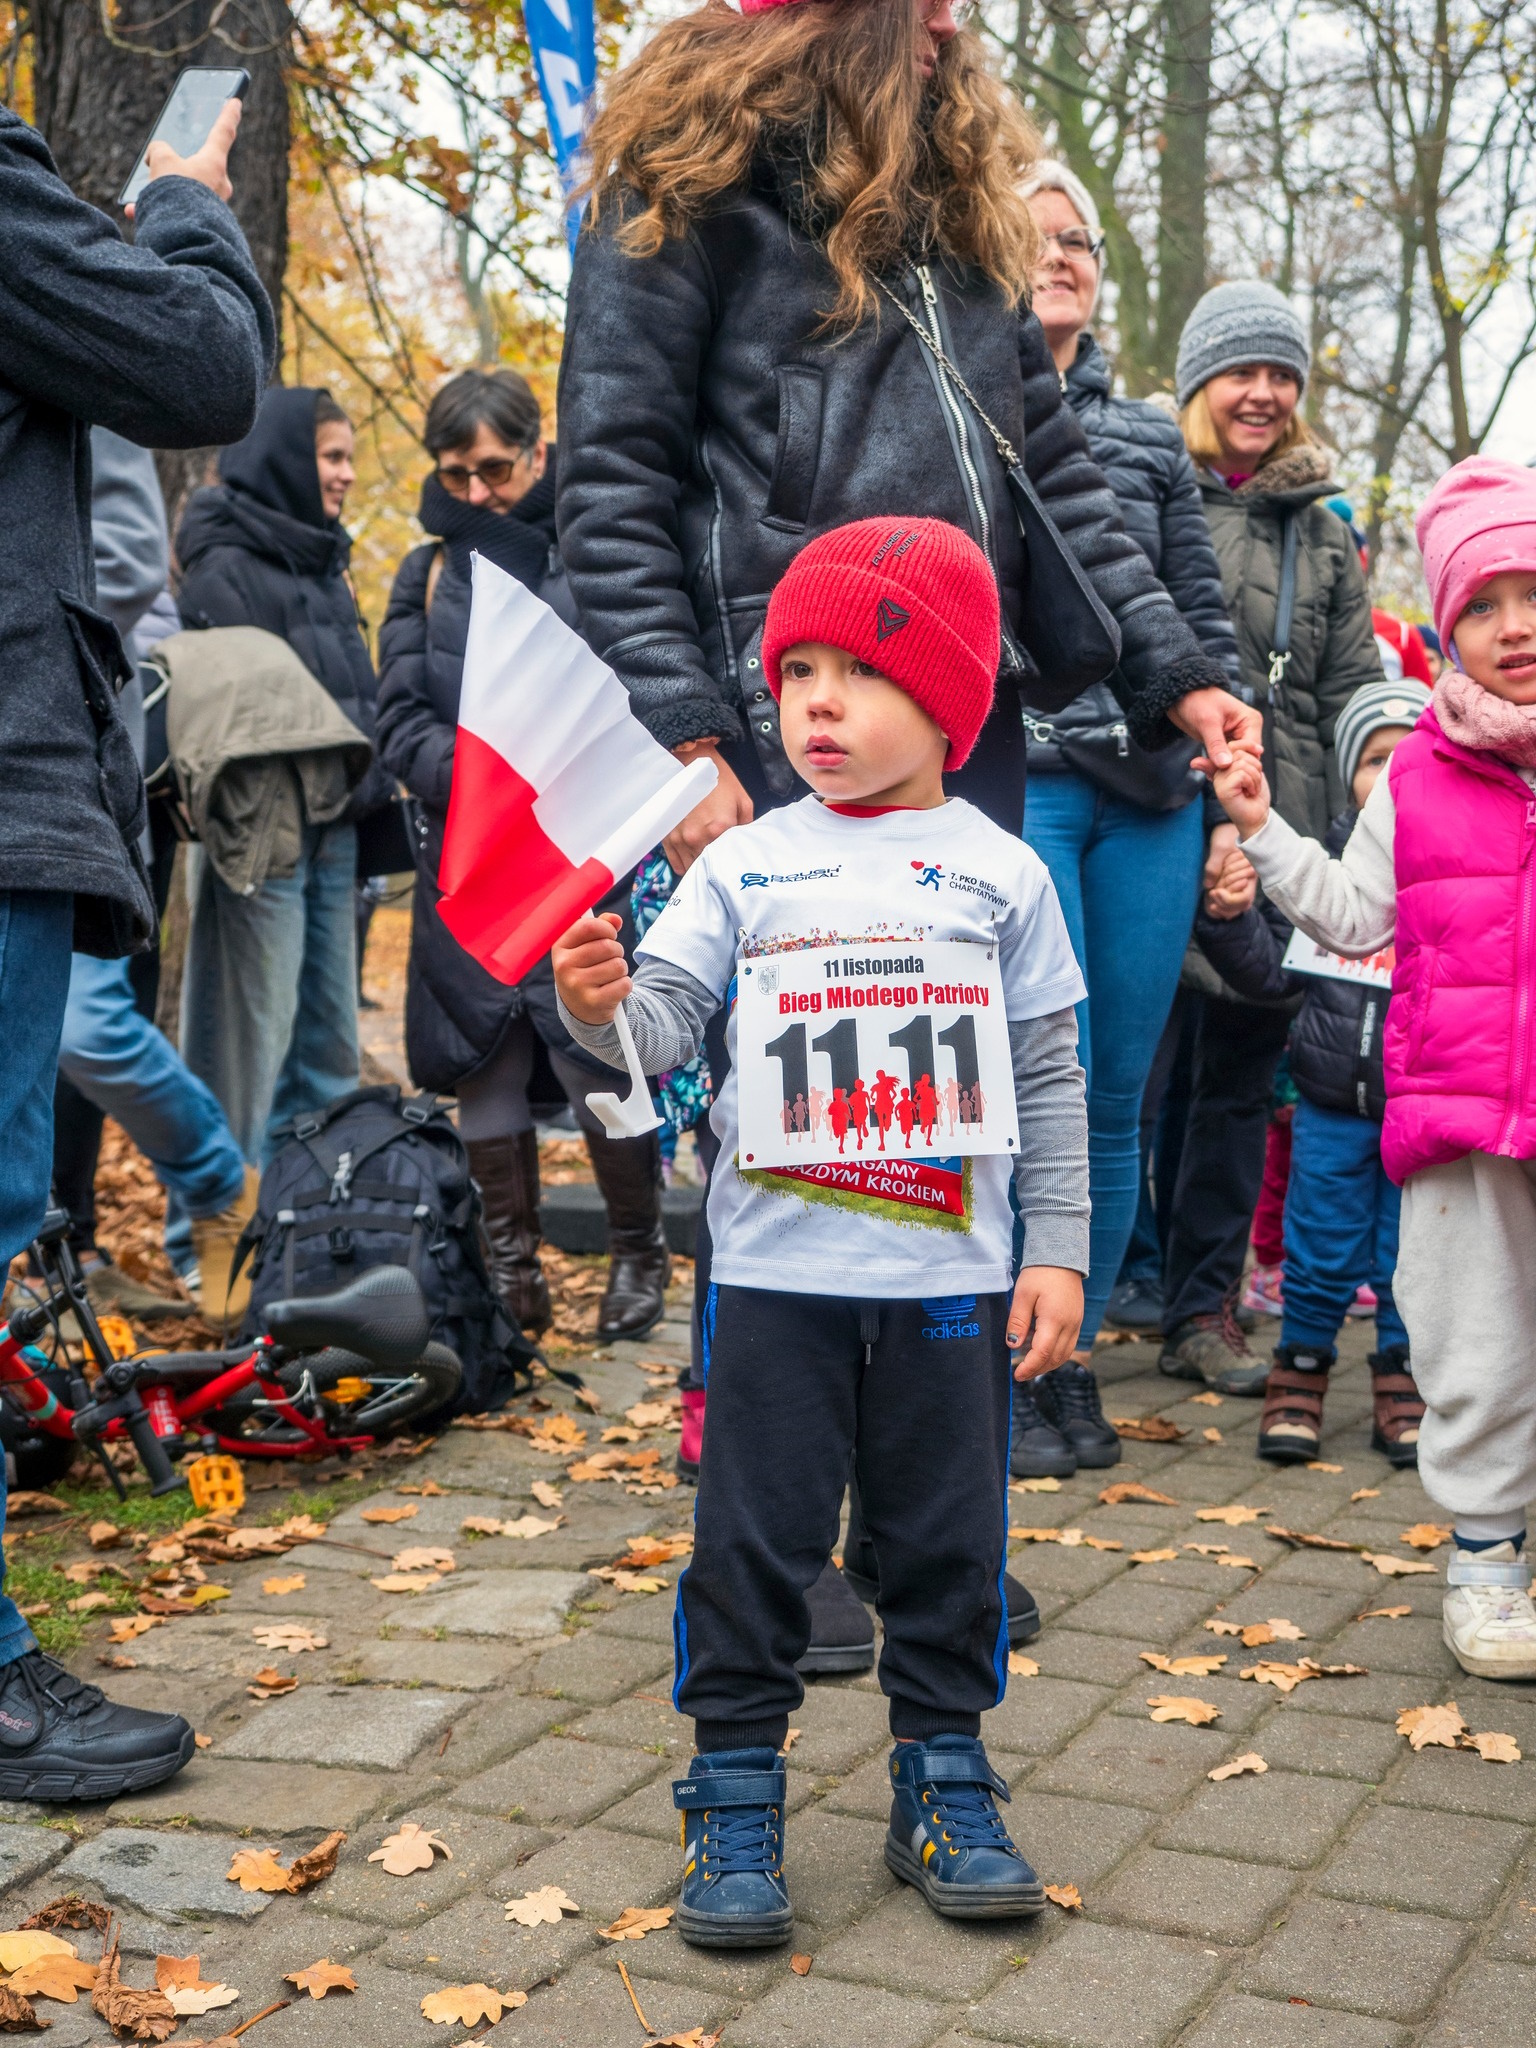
[507,1170]
[639,1265]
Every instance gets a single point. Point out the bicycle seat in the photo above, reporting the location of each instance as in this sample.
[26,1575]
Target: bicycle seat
[382,1317]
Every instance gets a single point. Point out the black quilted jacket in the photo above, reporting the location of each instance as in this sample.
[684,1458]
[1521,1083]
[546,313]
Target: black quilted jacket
[1335,1044]
[710,425]
[1142,454]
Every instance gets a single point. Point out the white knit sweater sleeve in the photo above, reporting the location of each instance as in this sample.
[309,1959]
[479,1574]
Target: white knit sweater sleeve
[1348,904]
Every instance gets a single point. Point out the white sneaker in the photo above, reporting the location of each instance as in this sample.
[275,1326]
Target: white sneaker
[1488,1620]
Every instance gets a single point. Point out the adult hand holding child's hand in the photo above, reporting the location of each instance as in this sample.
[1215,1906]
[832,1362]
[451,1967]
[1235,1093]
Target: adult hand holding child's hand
[591,973]
[1048,1309]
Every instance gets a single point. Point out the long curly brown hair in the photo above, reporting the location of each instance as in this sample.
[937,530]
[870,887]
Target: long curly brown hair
[891,161]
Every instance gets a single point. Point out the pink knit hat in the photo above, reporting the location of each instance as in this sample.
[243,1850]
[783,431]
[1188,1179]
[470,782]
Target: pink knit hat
[1478,521]
[758,6]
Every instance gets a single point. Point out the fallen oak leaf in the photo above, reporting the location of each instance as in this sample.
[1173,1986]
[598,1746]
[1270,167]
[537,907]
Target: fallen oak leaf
[636,1922]
[403,1513]
[543,1908]
[620,1433]
[801,1965]
[1250,1763]
[427,1486]
[1206,1400]
[198,1999]
[127,1626]
[1176,1707]
[469,2004]
[1152,1556]
[104,1536]
[1283,1677]
[411,1847]
[1046,1485]
[1314,1669]
[1182,1667]
[144,2015]
[627,1582]
[1366,1493]
[791,1737]
[1034,1535]
[546,1495]
[407,1582]
[17,2014]
[1234,1517]
[1237,1563]
[1020,1666]
[424,1557]
[179,1973]
[270,1685]
[1211,1549]
[529,1526]
[1384,1614]
[1397,1567]
[25,1945]
[1102,1543]
[58,1977]
[294,1583]
[1147,1429]
[89,1603]
[317,1863]
[1493,1749]
[321,1977]
[257,1870]
[483,1525]
[290,1636]
[1318,1465]
[1425,1536]
[1132,1489]
[1432,1727]
[1067,1896]
[1211,1436]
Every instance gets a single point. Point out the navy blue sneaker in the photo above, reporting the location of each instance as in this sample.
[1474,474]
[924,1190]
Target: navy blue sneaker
[732,1806]
[947,1837]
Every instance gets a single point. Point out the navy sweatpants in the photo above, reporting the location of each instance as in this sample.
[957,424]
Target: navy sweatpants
[798,1384]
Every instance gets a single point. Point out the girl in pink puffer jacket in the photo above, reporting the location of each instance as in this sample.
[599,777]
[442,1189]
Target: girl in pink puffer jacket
[1443,860]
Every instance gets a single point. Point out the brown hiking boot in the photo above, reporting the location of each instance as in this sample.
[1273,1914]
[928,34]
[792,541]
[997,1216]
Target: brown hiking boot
[214,1239]
[1291,1427]
[1398,1408]
[114,1292]
[1213,1348]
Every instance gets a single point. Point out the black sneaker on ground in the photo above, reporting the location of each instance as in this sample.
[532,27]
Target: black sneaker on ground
[863,1574]
[842,1634]
[1069,1401]
[1136,1305]
[64,1740]
[1040,1451]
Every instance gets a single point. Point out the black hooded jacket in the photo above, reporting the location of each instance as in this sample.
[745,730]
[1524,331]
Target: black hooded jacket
[1335,1043]
[711,423]
[258,550]
[455,1013]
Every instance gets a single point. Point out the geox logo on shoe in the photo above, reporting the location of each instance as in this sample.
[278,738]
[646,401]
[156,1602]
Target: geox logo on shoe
[889,618]
[950,1314]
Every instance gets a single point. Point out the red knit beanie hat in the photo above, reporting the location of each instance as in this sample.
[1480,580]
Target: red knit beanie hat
[915,598]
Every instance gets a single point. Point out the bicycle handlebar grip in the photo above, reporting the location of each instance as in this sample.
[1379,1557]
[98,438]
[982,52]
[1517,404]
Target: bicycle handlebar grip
[163,1476]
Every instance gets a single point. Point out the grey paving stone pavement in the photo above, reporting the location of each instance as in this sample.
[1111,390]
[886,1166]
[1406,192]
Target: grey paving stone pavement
[1355,1895]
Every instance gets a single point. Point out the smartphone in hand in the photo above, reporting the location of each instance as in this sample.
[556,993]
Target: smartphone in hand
[186,120]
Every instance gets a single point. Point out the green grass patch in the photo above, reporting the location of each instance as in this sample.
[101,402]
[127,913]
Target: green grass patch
[32,1575]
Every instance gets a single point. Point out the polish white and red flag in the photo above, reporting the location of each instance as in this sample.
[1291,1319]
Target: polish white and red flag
[558,790]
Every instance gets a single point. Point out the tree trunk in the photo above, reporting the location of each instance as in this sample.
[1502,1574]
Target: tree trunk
[1181,171]
[96,98]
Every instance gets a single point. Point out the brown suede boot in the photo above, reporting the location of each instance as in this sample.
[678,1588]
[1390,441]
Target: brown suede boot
[639,1265]
[508,1172]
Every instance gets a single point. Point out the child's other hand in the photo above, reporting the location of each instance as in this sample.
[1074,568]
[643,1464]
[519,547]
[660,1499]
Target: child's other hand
[1048,1310]
[1243,793]
[1236,888]
[590,970]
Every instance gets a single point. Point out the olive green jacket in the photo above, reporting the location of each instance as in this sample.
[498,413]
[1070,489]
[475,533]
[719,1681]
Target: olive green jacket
[1333,646]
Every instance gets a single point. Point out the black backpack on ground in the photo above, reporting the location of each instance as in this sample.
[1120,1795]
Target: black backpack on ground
[380,1178]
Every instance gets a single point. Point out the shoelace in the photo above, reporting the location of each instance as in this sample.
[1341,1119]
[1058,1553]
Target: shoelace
[1076,1393]
[1027,1412]
[1500,1603]
[968,1816]
[736,1838]
[45,1680]
[1232,1334]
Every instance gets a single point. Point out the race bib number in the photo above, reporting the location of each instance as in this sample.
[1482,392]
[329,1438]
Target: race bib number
[1306,956]
[889,1058]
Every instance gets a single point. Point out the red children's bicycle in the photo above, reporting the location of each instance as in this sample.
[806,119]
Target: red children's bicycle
[333,1373]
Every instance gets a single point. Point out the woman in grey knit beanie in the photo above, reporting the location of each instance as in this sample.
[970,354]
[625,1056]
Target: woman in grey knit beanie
[1242,368]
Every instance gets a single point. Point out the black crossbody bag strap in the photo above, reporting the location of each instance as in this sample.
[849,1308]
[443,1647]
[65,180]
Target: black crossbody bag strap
[1280,645]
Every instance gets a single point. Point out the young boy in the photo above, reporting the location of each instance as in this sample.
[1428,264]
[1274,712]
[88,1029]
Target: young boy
[860,1304]
[1341,1210]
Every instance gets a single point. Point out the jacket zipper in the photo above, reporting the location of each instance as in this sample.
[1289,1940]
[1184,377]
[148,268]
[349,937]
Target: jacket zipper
[1522,985]
[957,413]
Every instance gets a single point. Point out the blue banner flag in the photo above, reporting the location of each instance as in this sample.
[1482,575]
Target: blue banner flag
[563,39]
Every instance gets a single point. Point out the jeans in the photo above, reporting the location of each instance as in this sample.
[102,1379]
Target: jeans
[1127,880]
[269,992]
[119,1061]
[1341,1220]
[1237,1049]
[36,926]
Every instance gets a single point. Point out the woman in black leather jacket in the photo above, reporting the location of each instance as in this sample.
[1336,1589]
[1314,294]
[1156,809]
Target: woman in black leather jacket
[1119,828]
[466,1033]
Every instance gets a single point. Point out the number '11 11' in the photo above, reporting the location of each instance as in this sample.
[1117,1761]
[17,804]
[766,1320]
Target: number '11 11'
[841,1046]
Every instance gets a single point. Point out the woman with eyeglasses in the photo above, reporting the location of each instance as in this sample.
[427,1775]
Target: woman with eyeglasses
[492,491]
[1118,827]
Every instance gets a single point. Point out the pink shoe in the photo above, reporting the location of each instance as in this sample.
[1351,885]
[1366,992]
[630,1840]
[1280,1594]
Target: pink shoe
[1264,1293]
[1364,1304]
[690,1447]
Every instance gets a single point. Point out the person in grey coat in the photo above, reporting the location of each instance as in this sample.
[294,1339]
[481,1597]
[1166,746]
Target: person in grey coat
[1119,827]
[168,341]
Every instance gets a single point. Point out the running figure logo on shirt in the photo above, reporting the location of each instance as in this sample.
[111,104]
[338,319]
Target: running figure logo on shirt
[928,874]
[870,1109]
